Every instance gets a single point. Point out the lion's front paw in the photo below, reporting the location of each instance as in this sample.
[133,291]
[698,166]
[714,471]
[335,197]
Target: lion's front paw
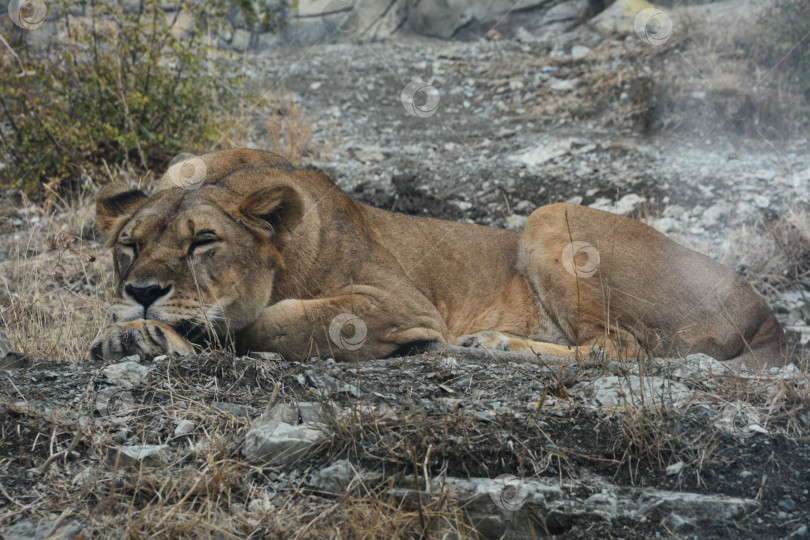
[145,338]
[487,339]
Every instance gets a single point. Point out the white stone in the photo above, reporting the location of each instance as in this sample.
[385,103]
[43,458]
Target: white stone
[279,443]
[260,505]
[696,365]
[545,152]
[674,469]
[128,373]
[666,225]
[366,154]
[633,391]
[335,478]
[562,85]
[142,454]
[5,345]
[624,206]
[184,427]
[579,51]
[524,36]
[620,16]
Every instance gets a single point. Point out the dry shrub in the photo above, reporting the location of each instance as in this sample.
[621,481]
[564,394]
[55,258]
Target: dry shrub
[287,130]
[54,284]
[749,67]
[777,260]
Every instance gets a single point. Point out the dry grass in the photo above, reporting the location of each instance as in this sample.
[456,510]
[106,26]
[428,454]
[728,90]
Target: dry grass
[204,488]
[53,283]
[286,128]
[727,66]
[778,260]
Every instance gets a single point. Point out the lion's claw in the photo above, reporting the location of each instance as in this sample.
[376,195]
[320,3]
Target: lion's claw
[146,338]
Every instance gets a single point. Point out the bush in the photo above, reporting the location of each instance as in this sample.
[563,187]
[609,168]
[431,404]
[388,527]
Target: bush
[786,45]
[124,84]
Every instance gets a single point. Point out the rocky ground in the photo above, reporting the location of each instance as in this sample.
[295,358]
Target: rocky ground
[683,449]
[222,447]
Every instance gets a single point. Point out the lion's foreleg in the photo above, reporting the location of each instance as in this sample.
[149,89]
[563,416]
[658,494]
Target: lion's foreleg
[345,327]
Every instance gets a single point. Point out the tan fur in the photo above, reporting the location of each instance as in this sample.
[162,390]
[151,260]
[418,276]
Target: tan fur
[293,255]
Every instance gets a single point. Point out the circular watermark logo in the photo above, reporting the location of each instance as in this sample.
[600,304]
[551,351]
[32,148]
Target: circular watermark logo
[28,14]
[187,171]
[580,259]
[653,26]
[733,106]
[341,19]
[508,492]
[115,402]
[740,420]
[348,331]
[420,99]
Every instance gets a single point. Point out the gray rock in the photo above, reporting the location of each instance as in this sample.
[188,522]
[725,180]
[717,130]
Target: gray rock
[620,16]
[633,391]
[310,411]
[693,506]
[279,443]
[282,412]
[330,384]
[184,427]
[32,529]
[787,504]
[260,505]
[718,212]
[325,21]
[368,153]
[277,439]
[667,225]
[624,206]
[335,478]
[580,51]
[699,365]
[675,523]
[545,152]
[674,469]
[501,511]
[137,455]
[234,409]
[266,356]
[602,504]
[563,85]
[447,18]
[5,345]
[128,373]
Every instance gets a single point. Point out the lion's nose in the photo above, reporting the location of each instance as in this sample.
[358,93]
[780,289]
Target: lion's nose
[146,295]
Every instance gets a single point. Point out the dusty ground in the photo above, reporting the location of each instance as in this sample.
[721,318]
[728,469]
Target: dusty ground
[411,423]
[451,416]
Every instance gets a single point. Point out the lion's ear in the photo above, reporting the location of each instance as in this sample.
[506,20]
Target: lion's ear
[115,204]
[273,212]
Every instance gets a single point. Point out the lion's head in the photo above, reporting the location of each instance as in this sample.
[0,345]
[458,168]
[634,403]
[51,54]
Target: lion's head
[201,258]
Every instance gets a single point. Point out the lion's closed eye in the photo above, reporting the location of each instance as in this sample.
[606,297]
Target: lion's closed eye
[203,239]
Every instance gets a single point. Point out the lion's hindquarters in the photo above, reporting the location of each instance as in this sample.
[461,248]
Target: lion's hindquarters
[594,270]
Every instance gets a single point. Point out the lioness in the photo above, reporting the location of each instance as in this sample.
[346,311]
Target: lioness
[274,258]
